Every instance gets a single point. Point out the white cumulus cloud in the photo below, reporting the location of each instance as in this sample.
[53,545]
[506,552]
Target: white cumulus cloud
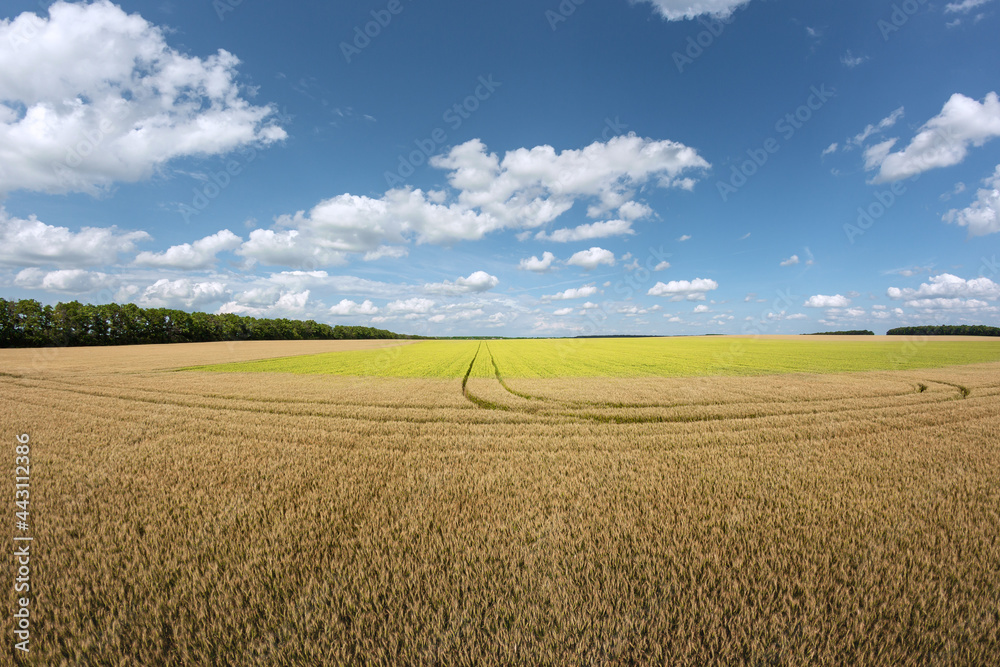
[537,265]
[591,259]
[348,307]
[633,210]
[288,304]
[824,301]
[573,293]
[530,187]
[383,251]
[479,281]
[947,291]
[182,293]
[524,190]
[415,305]
[677,10]
[982,217]
[791,261]
[884,124]
[31,242]
[876,154]
[943,141]
[289,248]
[965,6]
[851,60]
[91,95]
[594,230]
[678,290]
[198,255]
[67,281]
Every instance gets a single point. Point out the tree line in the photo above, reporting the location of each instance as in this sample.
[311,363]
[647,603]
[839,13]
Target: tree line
[946,330]
[852,332]
[27,323]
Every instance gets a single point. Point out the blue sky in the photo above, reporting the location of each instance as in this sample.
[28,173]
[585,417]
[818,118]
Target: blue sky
[518,168]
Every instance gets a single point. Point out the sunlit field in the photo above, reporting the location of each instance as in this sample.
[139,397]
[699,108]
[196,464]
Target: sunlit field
[644,357]
[654,501]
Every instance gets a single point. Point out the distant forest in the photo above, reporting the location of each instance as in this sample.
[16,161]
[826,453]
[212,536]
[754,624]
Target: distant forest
[27,323]
[853,332]
[945,330]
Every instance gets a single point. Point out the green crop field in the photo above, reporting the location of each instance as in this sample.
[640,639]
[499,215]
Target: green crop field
[646,357]
[427,359]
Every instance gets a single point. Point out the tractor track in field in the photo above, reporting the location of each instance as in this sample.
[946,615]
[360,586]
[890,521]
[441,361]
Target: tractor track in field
[525,405]
[535,406]
[492,405]
[496,371]
[964,391]
[921,387]
[476,400]
[576,410]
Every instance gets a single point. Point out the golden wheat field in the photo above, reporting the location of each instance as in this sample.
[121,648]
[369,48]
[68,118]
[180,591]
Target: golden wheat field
[193,517]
